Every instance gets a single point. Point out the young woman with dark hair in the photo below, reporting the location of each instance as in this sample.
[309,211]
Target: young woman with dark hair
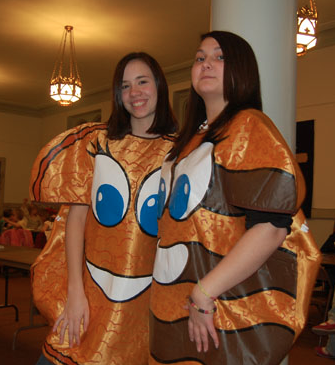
[119,122]
[230,283]
[241,89]
[95,290]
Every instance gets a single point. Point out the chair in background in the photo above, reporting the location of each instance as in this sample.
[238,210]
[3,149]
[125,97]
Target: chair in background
[10,238]
[25,237]
[17,237]
[322,295]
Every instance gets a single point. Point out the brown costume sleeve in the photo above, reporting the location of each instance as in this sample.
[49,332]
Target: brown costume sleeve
[261,172]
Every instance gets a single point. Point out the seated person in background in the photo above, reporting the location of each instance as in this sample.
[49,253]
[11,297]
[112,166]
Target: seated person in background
[48,224]
[16,233]
[329,248]
[21,220]
[14,218]
[327,328]
[41,237]
[34,220]
[8,216]
[25,207]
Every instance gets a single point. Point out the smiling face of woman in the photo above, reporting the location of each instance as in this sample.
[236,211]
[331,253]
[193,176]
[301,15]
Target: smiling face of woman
[139,94]
[207,70]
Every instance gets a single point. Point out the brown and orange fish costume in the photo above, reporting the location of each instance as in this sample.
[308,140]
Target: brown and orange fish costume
[119,180]
[202,201]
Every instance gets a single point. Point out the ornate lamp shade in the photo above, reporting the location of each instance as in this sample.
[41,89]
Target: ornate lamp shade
[65,90]
[65,84]
[306,34]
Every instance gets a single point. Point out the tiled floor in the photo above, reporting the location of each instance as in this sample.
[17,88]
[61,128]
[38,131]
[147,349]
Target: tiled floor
[29,342]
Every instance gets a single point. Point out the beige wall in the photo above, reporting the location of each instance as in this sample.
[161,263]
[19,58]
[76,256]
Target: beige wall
[316,100]
[54,124]
[19,144]
[21,138]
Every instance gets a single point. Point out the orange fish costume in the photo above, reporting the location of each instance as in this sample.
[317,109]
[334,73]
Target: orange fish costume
[203,194]
[119,180]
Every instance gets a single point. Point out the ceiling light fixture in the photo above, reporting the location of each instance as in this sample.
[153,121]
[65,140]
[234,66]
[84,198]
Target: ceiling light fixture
[65,84]
[307,21]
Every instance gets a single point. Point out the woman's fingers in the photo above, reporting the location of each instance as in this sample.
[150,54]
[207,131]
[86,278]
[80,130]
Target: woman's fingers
[70,333]
[197,338]
[58,320]
[76,332]
[204,338]
[62,332]
[74,315]
[199,334]
[73,328]
[62,323]
[190,330]
[199,326]
[212,332]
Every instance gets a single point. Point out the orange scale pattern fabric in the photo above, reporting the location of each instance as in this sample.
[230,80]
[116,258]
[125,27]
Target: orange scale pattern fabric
[202,217]
[119,181]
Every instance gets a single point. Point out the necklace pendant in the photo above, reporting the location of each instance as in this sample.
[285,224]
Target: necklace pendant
[203,126]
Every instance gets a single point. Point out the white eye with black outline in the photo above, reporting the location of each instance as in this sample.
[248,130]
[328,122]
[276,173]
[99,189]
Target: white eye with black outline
[164,186]
[191,180]
[110,191]
[147,202]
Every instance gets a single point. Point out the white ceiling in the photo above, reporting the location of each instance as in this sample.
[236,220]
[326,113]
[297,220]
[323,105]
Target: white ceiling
[104,31]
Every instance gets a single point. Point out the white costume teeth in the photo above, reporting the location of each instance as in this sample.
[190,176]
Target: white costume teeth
[116,288]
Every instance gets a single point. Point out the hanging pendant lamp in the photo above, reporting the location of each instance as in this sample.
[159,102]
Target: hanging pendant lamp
[65,84]
[306,32]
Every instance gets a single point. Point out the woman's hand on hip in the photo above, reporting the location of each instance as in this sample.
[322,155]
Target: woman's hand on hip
[200,324]
[75,313]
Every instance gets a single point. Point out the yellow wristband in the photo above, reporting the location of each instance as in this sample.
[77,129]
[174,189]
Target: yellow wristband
[203,291]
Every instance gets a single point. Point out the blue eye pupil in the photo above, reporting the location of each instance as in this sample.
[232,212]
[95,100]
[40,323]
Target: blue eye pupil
[109,205]
[180,197]
[148,215]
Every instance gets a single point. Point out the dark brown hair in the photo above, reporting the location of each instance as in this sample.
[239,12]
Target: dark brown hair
[241,89]
[119,121]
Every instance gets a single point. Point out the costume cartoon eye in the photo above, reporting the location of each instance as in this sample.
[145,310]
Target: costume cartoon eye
[110,191]
[164,186]
[146,203]
[191,179]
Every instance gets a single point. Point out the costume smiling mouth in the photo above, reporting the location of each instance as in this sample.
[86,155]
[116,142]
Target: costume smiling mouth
[118,288]
[170,263]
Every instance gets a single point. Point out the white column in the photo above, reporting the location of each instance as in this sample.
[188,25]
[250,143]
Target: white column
[270,28]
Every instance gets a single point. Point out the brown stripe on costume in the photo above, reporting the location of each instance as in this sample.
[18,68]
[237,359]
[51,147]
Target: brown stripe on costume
[230,352]
[279,272]
[266,189]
